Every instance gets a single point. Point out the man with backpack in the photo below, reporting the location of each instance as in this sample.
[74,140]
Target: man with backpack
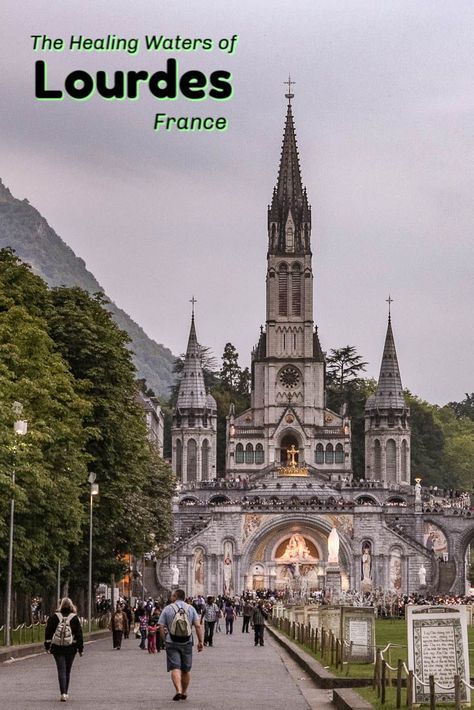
[176,627]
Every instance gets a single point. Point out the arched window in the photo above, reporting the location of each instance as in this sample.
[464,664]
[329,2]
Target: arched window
[329,453]
[319,454]
[404,461]
[179,458]
[296,290]
[259,456]
[283,290]
[391,461]
[239,453]
[205,460]
[377,460]
[191,419]
[191,466]
[339,455]
[249,453]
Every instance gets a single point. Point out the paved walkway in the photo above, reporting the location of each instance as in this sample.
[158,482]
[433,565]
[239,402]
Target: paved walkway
[233,675]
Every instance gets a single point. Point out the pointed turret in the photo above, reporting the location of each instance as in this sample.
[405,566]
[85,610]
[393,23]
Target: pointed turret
[389,393]
[387,421]
[192,390]
[193,432]
[289,215]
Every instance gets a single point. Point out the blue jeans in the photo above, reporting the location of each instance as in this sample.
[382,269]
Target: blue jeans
[143,635]
[64,663]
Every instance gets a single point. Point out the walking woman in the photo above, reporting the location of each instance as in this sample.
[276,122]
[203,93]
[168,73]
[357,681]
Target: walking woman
[63,639]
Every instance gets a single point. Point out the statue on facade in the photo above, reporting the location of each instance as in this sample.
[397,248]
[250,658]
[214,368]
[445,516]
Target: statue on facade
[422,575]
[417,490]
[333,547]
[174,575]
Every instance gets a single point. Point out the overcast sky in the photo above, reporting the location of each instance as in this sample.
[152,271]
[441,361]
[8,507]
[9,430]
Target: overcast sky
[384,112]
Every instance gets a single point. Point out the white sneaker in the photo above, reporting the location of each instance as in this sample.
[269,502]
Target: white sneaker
[63,697]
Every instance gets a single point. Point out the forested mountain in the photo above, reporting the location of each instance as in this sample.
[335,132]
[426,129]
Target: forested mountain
[24,229]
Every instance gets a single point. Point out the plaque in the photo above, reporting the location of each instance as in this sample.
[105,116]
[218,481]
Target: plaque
[331,619]
[358,629]
[437,645]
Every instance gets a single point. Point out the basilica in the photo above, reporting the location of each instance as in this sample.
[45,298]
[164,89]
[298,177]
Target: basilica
[288,493]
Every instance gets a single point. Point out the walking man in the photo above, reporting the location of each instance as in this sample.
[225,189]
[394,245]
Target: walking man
[247,613]
[258,620]
[119,626]
[176,627]
[209,615]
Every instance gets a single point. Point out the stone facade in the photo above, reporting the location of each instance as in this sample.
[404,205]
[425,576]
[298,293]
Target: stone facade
[267,525]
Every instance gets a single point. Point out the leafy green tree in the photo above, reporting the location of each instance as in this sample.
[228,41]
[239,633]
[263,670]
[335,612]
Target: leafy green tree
[465,408]
[427,442]
[50,462]
[133,513]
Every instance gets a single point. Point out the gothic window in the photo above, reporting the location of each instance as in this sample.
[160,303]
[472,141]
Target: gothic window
[319,454]
[283,290]
[249,454]
[259,456]
[391,420]
[191,420]
[239,453]
[329,453]
[296,290]
[205,460]
[191,467]
[339,455]
[377,460]
[404,461]
[391,461]
[179,458]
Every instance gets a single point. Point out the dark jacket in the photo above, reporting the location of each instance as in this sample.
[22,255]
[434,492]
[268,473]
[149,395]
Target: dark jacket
[119,622]
[76,628]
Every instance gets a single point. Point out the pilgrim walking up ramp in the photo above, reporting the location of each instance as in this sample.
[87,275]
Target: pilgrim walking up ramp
[232,675]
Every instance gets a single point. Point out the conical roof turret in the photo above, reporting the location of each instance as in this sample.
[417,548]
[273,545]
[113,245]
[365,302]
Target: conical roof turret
[389,393]
[192,390]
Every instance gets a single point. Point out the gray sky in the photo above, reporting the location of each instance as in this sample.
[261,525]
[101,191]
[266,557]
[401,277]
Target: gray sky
[384,112]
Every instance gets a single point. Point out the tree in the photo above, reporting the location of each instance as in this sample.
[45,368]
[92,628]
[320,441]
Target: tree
[465,408]
[51,461]
[230,374]
[133,512]
[343,367]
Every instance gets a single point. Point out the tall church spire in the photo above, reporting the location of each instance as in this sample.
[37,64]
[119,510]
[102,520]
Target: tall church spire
[289,215]
[192,391]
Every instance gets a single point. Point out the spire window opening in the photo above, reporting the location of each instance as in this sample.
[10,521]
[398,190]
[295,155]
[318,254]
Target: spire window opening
[259,455]
[296,290]
[283,290]
[339,454]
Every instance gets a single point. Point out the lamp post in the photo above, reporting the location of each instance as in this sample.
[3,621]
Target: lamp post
[20,427]
[93,492]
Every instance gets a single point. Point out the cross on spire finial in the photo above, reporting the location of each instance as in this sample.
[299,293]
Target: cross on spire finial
[289,95]
[389,300]
[192,301]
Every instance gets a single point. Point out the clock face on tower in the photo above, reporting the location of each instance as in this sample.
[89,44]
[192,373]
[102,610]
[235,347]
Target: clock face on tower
[289,377]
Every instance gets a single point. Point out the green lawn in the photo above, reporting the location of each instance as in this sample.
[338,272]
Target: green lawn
[394,632]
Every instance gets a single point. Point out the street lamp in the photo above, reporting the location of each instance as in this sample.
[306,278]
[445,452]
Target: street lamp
[94,492]
[20,427]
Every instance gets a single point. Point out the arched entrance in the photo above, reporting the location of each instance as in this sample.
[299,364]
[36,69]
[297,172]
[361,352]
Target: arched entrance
[287,442]
[292,548]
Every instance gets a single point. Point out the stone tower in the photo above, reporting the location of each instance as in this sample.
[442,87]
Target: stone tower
[193,432]
[288,409]
[387,422]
